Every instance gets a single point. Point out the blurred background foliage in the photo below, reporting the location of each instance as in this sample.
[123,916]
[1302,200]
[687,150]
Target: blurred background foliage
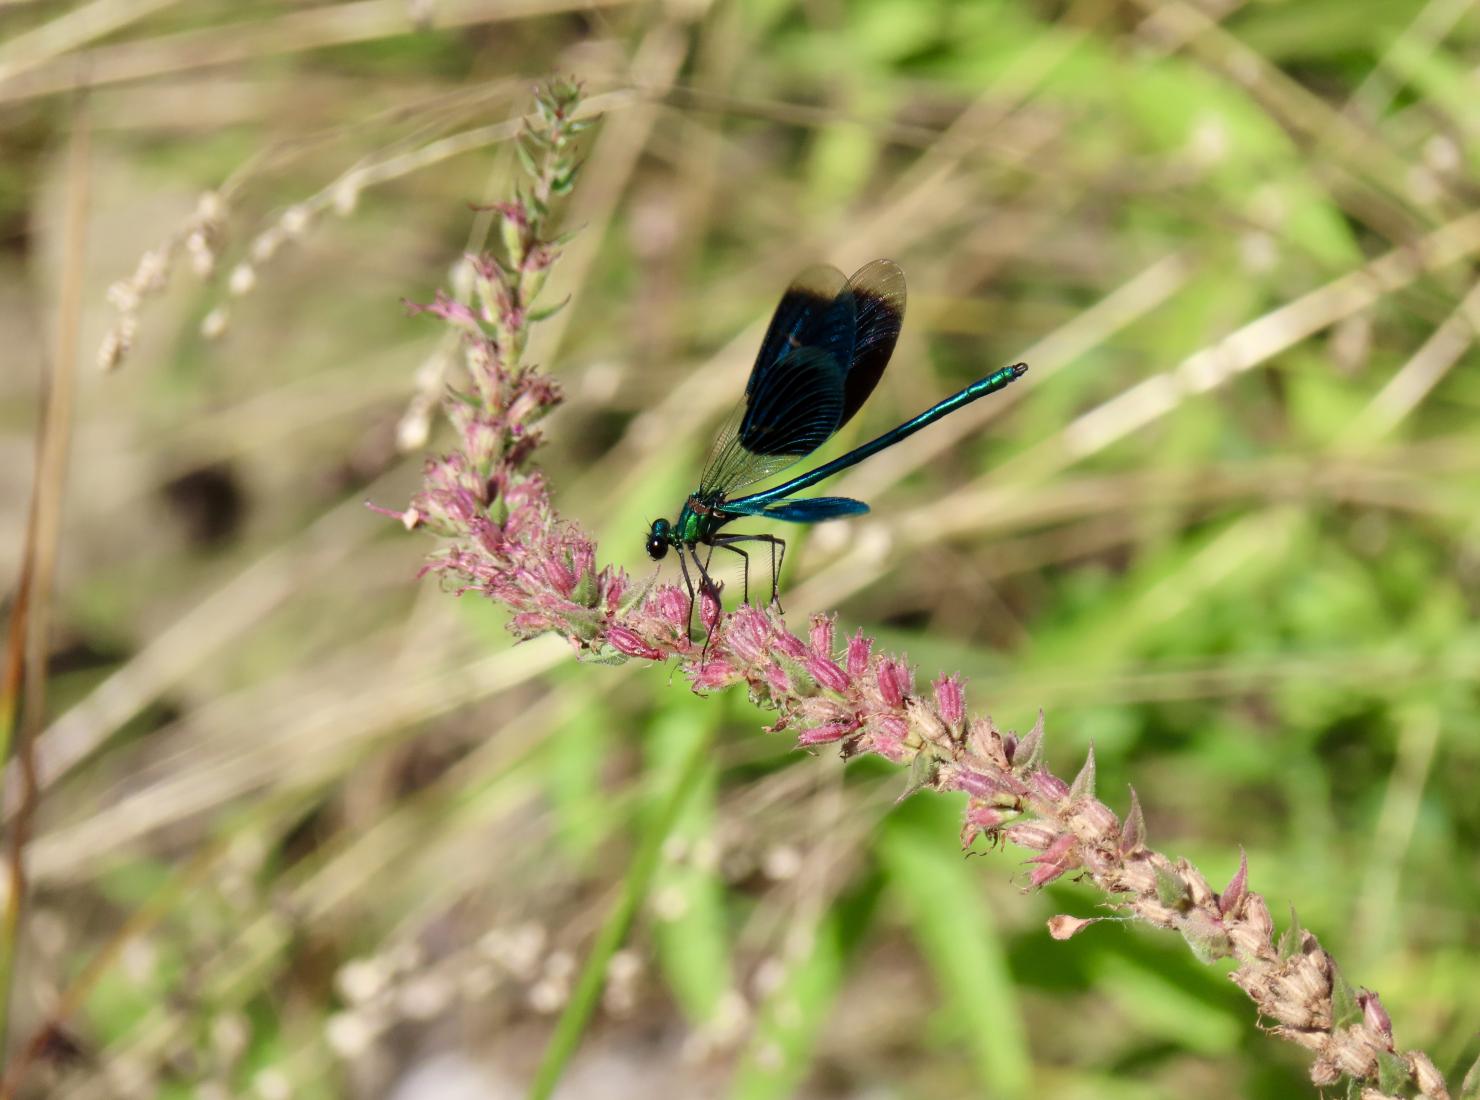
[311,829]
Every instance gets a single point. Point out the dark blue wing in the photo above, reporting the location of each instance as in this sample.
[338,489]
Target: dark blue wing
[793,408]
[813,313]
[794,397]
[878,294]
[808,510]
[789,411]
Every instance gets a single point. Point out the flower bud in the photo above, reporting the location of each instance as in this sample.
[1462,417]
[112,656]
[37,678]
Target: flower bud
[827,674]
[1048,787]
[821,735]
[789,645]
[821,635]
[747,633]
[894,682]
[925,723]
[1063,926]
[709,609]
[950,700]
[1035,835]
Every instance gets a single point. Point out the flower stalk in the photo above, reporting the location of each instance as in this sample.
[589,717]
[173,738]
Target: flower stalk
[504,540]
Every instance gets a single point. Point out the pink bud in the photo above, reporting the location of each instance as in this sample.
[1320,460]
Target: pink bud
[1375,1016]
[986,817]
[827,674]
[583,557]
[789,644]
[1057,858]
[886,737]
[893,726]
[859,649]
[488,535]
[822,635]
[950,700]
[559,576]
[628,642]
[613,584]
[1045,872]
[894,682]
[747,634]
[973,783]
[672,605]
[1048,786]
[777,679]
[709,609]
[713,675]
[1063,926]
[1034,835]
[446,308]
[821,735]
[528,623]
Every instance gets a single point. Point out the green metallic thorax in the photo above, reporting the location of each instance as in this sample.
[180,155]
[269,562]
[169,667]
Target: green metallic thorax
[698,520]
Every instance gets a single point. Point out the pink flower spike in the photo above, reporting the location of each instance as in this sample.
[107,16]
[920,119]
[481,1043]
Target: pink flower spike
[859,650]
[950,700]
[827,674]
[628,642]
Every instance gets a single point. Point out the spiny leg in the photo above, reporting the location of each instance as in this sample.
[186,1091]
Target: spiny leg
[776,570]
[727,544]
[689,584]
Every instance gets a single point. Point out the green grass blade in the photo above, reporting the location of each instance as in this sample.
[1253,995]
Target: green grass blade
[942,896]
[572,1022]
[691,931]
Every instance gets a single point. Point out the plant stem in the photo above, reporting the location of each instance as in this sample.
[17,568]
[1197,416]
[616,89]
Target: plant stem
[23,692]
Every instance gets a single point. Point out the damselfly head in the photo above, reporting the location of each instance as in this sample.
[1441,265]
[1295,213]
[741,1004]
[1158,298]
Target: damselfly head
[658,539]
